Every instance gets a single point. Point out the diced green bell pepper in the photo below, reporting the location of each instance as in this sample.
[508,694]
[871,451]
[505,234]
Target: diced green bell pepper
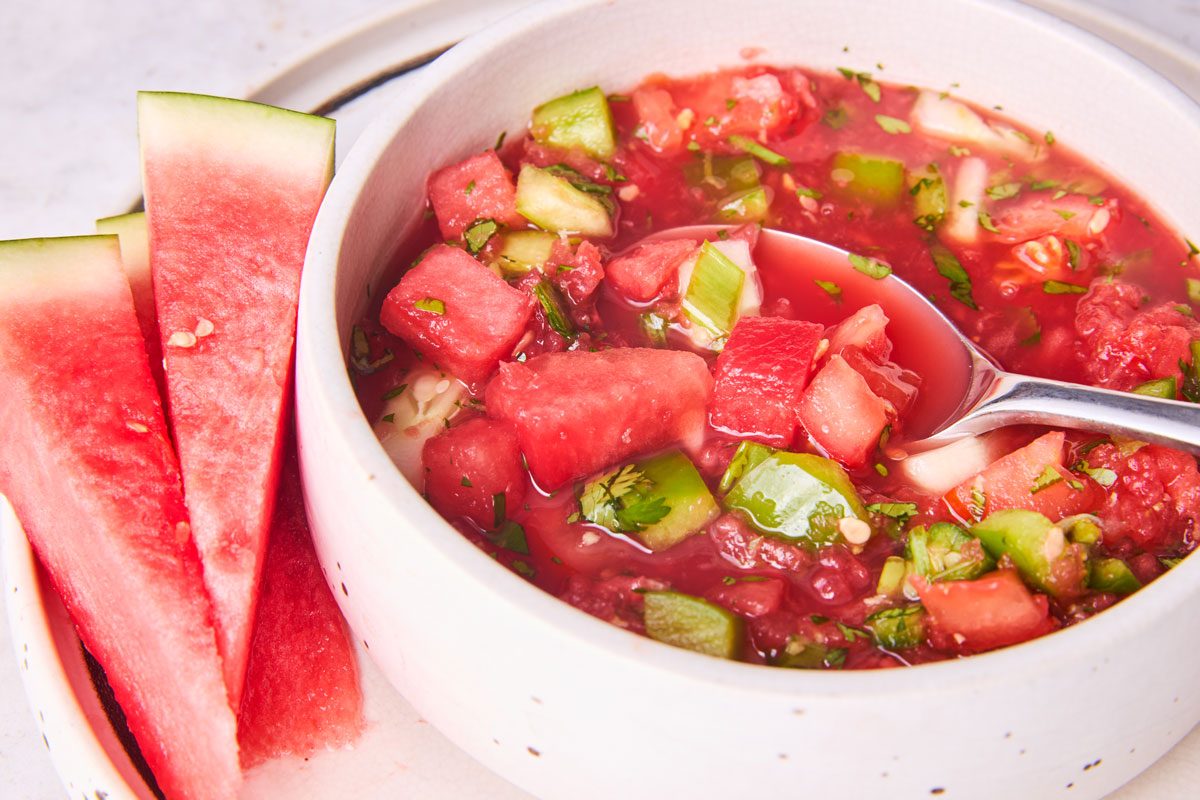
[682,620]
[801,653]
[660,500]
[580,120]
[1037,547]
[875,179]
[892,577]
[946,552]
[928,191]
[1113,575]
[795,495]
[898,628]
[1163,387]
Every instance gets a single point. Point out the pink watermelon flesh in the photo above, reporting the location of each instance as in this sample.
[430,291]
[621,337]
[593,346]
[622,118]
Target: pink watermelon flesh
[232,189]
[478,188]
[579,412]
[842,414]
[642,274]
[468,465]
[891,382]
[302,691]
[864,329]
[457,313]
[760,377]
[86,460]
[576,272]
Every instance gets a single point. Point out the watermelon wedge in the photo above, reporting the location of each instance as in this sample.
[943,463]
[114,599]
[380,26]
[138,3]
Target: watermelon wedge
[232,189]
[302,692]
[130,229]
[87,463]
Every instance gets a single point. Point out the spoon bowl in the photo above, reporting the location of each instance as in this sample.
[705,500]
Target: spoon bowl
[964,392]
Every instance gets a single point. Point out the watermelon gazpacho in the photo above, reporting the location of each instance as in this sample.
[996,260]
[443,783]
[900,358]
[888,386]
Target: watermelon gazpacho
[675,433]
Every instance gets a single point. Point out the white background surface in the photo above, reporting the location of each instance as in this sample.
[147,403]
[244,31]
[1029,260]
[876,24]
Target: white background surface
[69,70]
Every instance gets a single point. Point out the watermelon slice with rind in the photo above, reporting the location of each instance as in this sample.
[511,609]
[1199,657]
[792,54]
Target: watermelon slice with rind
[130,229]
[86,461]
[302,689]
[232,189]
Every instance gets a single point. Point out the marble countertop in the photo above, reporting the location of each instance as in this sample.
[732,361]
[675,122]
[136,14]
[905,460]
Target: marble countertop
[69,71]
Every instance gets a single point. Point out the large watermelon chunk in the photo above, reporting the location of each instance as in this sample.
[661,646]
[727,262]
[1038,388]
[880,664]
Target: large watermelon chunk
[130,229]
[578,412]
[457,313]
[760,377]
[842,414]
[232,189]
[478,188]
[302,692]
[468,466]
[86,460]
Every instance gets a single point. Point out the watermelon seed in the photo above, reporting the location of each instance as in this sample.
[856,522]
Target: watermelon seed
[182,339]
[136,427]
[183,532]
[204,328]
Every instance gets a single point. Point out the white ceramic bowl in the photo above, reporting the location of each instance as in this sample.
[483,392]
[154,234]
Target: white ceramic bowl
[569,707]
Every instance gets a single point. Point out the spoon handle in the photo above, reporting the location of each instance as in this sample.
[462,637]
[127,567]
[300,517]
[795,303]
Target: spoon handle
[1020,400]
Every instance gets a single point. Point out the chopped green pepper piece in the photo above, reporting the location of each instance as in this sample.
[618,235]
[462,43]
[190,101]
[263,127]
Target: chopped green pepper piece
[711,299]
[1037,547]
[796,495]
[946,552]
[579,120]
[1062,287]
[694,624]
[874,179]
[1163,387]
[747,456]
[1114,576]
[660,500]
[898,628]
[891,577]
[1084,529]
[802,653]
[928,191]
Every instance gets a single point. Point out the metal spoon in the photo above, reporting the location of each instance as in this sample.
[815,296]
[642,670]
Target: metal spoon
[975,395]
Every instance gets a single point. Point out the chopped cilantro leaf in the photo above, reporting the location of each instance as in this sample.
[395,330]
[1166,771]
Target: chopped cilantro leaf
[1062,287]
[1074,254]
[836,118]
[804,191]
[1004,191]
[430,304]
[470,188]
[619,500]
[466,482]
[1049,477]
[901,512]
[479,234]
[1062,212]
[396,392]
[892,125]
[1050,139]
[748,145]
[870,267]
[949,267]
[830,288]
[985,222]
[1038,186]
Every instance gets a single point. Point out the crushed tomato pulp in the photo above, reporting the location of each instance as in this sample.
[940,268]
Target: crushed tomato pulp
[684,438]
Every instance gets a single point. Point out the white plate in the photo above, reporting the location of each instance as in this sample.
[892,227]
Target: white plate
[355,74]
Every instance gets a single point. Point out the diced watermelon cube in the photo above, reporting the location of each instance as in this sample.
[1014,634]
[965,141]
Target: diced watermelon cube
[302,692]
[842,414]
[658,119]
[642,274]
[750,105]
[478,188]
[751,598]
[1010,481]
[86,460]
[996,610]
[760,377]
[457,313]
[576,272]
[579,412]
[865,329]
[467,465]
[891,382]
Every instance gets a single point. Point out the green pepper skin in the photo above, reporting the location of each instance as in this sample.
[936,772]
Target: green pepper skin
[1113,575]
[798,496]
[898,628]
[691,623]
[946,552]
[1039,550]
